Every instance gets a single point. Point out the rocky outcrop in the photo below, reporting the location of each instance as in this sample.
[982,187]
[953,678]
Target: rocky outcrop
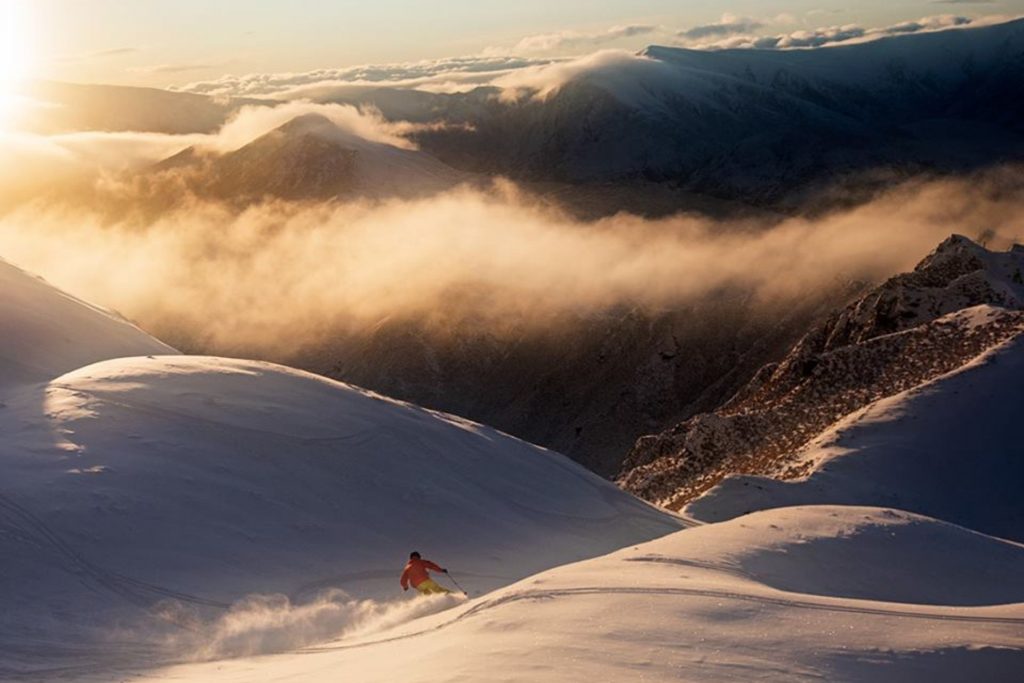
[958,302]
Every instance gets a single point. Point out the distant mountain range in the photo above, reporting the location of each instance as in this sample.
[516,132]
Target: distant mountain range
[674,126]
[755,125]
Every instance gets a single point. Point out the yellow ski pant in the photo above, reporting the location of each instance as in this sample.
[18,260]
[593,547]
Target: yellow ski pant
[430,586]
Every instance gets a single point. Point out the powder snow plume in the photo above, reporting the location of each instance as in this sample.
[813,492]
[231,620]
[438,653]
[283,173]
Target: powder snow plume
[264,624]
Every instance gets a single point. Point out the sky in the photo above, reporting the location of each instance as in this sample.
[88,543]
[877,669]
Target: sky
[174,42]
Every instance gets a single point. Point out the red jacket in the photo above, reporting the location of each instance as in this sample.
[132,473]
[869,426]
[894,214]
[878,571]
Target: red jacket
[416,572]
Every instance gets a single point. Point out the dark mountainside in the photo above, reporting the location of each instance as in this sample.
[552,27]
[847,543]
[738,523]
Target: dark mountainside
[959,301]
[586,386]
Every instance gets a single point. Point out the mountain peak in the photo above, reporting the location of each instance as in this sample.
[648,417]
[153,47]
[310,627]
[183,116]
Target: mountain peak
[308,123]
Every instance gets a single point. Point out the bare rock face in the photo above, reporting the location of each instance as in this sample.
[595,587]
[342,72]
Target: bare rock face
[960,301]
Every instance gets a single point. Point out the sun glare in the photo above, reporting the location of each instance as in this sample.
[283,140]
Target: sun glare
[15,55]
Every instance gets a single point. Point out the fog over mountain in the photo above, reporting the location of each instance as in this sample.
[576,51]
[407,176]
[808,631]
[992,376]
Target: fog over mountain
[374,235]
[701,362]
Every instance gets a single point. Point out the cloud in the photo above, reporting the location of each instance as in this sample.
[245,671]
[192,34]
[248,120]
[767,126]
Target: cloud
[846,33]
[926,24]
[277,278]
[544,80]
[567,40]
[474,69]
[728,25]
[963,2]
[501,66]
[115,52]
[43,165]
[99,54]
[173,68]
[252,122]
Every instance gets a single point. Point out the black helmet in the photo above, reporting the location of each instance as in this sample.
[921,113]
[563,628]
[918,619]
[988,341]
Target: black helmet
[414,555]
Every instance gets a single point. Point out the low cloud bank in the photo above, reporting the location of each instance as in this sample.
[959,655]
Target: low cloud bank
[829,35]
[459,74]
[278,278]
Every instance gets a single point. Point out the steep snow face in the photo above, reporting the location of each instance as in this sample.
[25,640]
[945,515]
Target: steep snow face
[200,480]
[961,301]
[45,332]
[800,594]
[950,449]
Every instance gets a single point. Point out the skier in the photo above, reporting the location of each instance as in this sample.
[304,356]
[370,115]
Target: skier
[416,573]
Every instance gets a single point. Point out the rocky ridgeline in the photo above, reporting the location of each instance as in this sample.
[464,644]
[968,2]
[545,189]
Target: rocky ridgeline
[960,301]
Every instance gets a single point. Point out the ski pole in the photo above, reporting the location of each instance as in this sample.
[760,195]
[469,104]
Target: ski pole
[456,583]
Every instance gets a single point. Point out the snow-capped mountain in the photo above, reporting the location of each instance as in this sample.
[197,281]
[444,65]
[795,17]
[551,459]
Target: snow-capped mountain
[958,304]
[756,125]
[154,490]
[308,158]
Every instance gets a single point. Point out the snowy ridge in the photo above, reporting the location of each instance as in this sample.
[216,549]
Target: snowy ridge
[959,302]
[45,332]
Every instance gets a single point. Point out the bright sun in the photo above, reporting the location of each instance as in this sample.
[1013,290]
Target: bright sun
[14,52]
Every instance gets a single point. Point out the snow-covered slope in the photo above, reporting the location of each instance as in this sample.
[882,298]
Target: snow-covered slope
[801,594]
[148,486]
[952,449]
[45,332]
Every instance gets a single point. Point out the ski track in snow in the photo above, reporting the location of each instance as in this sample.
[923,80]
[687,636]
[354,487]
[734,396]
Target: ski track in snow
[139,593]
